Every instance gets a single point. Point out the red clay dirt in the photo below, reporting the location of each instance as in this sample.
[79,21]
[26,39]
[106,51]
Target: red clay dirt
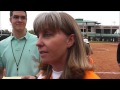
[104,56]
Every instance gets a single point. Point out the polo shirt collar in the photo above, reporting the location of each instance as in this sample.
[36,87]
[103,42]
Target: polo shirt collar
[26,36]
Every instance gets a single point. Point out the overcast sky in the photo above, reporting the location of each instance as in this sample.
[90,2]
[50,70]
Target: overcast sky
[103,17]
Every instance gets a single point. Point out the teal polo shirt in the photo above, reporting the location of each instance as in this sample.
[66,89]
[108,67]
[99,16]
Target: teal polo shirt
[20,53]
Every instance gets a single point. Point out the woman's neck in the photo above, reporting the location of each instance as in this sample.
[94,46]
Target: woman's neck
[58,67]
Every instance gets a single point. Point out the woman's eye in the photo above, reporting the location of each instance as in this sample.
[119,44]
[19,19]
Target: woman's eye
[47,34]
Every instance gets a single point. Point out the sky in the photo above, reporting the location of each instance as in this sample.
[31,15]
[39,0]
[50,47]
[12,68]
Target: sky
[103,17]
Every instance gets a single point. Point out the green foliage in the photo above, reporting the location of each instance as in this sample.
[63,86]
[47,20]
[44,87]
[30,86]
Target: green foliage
[32,32]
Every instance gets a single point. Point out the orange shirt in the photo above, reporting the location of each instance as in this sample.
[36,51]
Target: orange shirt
[91,75]
[88,75]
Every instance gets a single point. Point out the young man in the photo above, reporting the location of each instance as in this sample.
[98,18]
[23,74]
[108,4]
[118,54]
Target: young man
[19,54]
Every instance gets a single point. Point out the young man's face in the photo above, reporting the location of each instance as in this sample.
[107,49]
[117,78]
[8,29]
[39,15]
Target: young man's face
[18,20]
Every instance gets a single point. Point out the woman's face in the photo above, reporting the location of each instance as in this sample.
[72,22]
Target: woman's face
[53,46]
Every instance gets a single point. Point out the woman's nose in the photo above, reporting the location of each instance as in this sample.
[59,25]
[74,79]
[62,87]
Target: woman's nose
[39,42]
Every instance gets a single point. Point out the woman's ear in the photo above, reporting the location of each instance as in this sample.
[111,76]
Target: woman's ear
[70,40]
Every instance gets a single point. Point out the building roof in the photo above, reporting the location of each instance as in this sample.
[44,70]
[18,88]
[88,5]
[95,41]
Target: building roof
[85,21]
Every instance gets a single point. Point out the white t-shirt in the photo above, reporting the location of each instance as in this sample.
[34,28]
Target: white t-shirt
[55,75]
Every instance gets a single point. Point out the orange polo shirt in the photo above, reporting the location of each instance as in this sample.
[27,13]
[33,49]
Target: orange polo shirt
[91,75]
[88,75]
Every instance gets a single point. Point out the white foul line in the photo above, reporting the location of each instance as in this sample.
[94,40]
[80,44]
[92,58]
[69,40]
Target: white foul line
[107,72]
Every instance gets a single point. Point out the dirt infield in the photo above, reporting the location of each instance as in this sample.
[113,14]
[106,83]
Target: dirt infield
[104,56]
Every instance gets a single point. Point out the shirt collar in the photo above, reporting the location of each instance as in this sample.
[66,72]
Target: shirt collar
[26,36]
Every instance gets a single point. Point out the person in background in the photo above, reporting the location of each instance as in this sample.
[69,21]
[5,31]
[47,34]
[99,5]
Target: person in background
[118,54]
[85,39]
[19,55]
[61,48]
[88,53]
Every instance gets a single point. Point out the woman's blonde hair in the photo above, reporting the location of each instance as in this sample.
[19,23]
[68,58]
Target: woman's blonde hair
[76,63]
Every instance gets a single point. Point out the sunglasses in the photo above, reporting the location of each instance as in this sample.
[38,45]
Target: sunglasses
[17,17]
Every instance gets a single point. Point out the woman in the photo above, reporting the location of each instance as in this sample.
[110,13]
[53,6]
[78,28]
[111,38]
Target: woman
[61,48]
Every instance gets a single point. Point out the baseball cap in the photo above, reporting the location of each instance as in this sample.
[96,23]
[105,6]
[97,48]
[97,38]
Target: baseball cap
[86,40]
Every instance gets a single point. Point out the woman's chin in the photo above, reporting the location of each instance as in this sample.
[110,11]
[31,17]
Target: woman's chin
[44,61]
